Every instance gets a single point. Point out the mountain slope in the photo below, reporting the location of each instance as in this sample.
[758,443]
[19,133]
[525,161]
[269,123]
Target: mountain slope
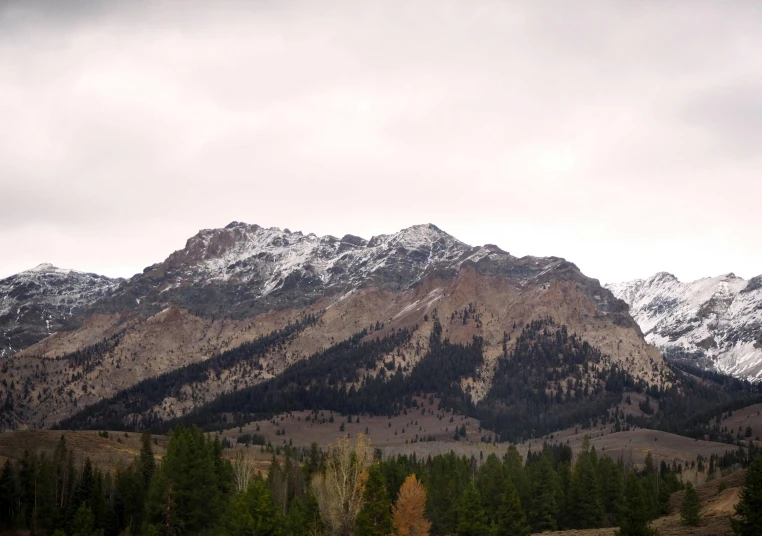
[715,320]
[38,302]
[232,286]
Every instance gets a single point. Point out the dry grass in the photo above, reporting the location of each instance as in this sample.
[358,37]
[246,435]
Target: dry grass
[105,453]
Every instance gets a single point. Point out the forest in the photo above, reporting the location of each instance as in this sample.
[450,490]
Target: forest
[348,489]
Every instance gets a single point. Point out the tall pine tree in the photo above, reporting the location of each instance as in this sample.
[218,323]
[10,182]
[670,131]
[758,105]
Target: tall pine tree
[375,516]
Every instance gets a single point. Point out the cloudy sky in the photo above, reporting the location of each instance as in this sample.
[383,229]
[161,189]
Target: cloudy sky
[623,135]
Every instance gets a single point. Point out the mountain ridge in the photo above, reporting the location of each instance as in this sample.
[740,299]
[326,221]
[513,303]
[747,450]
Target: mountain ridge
[715,320]
[232,286]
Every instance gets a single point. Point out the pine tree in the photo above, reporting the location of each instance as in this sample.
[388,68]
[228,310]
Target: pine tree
[147,460]
[748,521]
[375,516]
[634,514]
[511,520]
[408,514]
[690,507]
[7,495]
[586,506]
[251,512]
[471,518]
[544,496]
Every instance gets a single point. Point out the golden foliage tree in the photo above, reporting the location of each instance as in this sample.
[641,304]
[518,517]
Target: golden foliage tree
[409,512]
[339,490]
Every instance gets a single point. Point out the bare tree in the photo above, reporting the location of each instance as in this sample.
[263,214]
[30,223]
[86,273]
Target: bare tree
[340,488]
[243,470]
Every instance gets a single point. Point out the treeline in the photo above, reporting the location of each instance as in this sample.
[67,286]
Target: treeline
[141,397]
[346,490]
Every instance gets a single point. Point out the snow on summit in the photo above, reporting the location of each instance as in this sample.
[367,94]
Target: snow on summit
[717,320]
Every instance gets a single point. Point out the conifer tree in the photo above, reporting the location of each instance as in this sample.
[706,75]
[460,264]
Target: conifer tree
[375,516]
[147,461]
[511,520]
[586,506]
[251,512]
[544,495]
[409,512]
[471,518]
[634,515]
[690,507]
[748,521]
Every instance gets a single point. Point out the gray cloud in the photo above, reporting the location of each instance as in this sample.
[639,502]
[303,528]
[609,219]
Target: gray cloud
[617,134]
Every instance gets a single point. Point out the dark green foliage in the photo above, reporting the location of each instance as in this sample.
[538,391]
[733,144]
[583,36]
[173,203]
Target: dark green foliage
[748,520]
[471,518]
[251,512]
[634,515]
[375,516]
[585,495]
[544,496]
[189,491]
[147,461]
[510,519]
[690,507]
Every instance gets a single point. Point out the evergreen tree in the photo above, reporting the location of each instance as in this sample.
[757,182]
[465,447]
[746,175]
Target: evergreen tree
[634,515]
[188,491]
[84,523]
[690,507]
[490,483]
[471,518]
[251,513]
[375,516]
[147,460]
[586,506]
[748,521]
[7,495]
[511,520]
[544,497]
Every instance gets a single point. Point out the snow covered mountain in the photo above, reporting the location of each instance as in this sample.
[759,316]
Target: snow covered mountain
[243,270]
[37,303]
[231,286]
[716,320]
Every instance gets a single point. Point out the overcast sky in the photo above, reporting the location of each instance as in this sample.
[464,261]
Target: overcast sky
[625,136]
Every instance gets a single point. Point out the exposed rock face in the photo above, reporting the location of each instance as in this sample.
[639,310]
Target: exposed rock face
[232,285]
[717,320]
[38,302]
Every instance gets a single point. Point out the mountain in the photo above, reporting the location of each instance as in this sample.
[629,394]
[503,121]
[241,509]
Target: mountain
[717,320]
[253,310]
[38,302]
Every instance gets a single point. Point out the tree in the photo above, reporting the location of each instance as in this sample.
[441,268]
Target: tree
[243,470]
[633,517]
[690,507]
[188,491]
[511,520]
[147,461]
[586,506]
[545,491]
[340,487]
[471,518]
[408,513]
[748,519]
[250,512]
[375,517]
[84,523]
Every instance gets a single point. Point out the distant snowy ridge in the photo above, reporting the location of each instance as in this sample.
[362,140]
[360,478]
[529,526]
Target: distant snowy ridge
[716,320]
[35,303]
